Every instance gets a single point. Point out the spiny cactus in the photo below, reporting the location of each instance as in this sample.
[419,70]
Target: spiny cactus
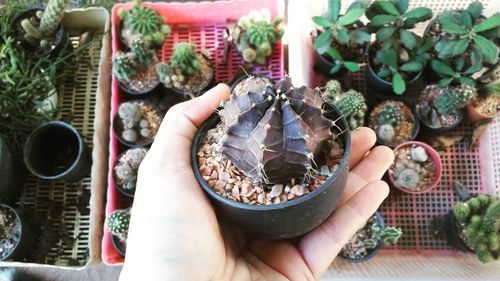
[332,90]
[185,58]
[454,99]
[382,236]
[389,115]
[124,67]
[141,49]
[351,104]
[146,22]
[49,21]
[275,133]
[408,178]
[481,218]
[118,223]
[127,167]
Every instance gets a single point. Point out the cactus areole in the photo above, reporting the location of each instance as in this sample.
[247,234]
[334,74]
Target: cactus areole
[276,132]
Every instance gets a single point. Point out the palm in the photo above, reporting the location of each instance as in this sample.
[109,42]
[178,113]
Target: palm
[174,232]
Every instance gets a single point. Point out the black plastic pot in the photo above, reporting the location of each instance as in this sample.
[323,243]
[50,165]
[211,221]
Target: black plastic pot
[451,234]
[117,243]
[27,239]
[61,44]
[372,252]
[56,151]
[380,88]
[142,94]
[12,173]
[284,220]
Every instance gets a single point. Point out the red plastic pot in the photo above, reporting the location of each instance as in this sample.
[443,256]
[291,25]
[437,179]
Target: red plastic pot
[433,154]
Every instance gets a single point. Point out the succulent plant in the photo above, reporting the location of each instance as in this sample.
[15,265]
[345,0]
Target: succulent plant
[127,166]
[332,89]
[185,58]
[389,115]
[336,29]
[450,101]
[408,178]
[118,223]
[258,36]
[275,133]
[141,49]
[480,216]
[146,22]
[351,104]
[50,19]
[382,236]
[165,72]
[127,65]
[124,67]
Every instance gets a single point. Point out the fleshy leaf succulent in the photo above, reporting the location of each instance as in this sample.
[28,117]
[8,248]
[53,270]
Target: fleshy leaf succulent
[480,216]
[351,104]
[118,223]
[276,132]
[454,99]
[337,29]
[50,19]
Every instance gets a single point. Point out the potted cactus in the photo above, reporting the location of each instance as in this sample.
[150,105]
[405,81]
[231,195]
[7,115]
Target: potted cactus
[340,41]
[255,35]
[486,104]
[442,108]
[239,83]
[12,173]
[474,225]
[398,56]
[38,31]
[393,123]
[144,21]
[136,69]
[126,168]
[351,104]
[416,168]
[136,123]
[280,152]
[187,72]
[18,236]
[465,47]
[366,242]
[118,223]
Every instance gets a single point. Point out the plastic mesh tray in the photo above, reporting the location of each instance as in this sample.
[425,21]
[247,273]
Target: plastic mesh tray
[202,24]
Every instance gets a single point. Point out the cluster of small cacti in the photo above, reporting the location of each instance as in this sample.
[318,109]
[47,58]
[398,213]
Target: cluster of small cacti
[130,114]
[480,216]
[453,99]
[127,167]
[351,104]
[275,132]
[127,65]
[146,22]
[388,118]
[118,223]
[184,63]
[381,235]
[258,35]
[49,22]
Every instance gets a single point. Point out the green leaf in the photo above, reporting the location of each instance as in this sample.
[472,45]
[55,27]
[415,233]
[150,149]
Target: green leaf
[334,53]
[419,14]
[467,81]
[389,8]
[489,23]
[385,33]
[402,5]
[445,82]
[335,68]
[351,16]
[452,28]
[359,36]
[426,45]
[408,39]
[459,63]
[334,9]
[323,41]
[473,69]
[342,35]
[398,84]
[487,48]
[451,48]
[351,66]
[466,19]
[441,67]
[475,9]
[381,20]
[412,66]
[384,72]
[475,57]
[390,58]
[321,21]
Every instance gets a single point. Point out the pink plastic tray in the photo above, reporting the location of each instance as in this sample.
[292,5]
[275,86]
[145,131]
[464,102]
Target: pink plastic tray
[203,24]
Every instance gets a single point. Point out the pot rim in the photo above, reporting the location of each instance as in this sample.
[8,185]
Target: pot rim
[18,221]
[135,93]
[213,120]
[243,77]
[438,172]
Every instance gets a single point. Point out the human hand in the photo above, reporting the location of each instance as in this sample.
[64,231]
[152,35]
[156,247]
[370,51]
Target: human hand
[174,233]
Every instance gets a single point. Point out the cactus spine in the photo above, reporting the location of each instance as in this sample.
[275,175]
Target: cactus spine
[351,104]
[143,54]
[118,223]
[123,67]
[454,99]
[186,58]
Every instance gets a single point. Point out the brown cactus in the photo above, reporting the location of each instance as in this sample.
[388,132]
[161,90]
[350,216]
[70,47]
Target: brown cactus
[276,132]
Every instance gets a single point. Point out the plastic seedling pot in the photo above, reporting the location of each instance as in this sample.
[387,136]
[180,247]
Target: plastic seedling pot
[27,239]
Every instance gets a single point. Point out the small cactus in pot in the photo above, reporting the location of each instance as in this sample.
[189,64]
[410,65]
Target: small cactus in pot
[126,169]
[136,123]
[118,224]
[393,123]
[143,21]
[352,104]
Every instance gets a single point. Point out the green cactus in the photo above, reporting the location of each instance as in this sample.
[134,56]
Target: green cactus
[382,235]
[389,115]
[263,32]
[143,54]
[165,73]
[124,67]
[353,106]
[480,216]
[185,58]
[118,223]
[332,90]
[146,22]
[452,100]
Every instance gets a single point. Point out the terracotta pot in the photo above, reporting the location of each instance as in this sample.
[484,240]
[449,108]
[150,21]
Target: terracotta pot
[473,115]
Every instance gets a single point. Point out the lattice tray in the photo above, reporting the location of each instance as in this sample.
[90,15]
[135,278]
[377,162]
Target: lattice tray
[202,24]
[478,168]
[71,215]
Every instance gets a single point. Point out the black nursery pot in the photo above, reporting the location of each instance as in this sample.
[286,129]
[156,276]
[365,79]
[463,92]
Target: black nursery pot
[451,234]
[372,252]
[284,220]
[61,44]
[27,239]
[119,247]
[56,151]
[12,173]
